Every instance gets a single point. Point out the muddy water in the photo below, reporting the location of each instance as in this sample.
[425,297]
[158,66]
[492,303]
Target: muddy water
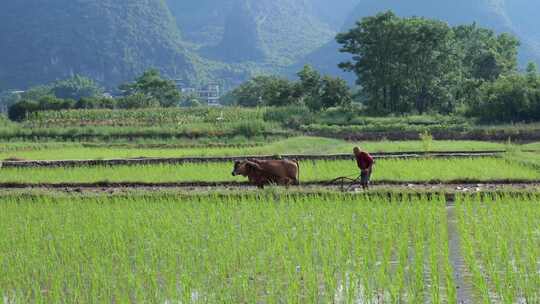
[462,279]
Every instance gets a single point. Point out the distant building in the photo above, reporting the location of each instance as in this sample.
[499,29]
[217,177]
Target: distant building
[209,93]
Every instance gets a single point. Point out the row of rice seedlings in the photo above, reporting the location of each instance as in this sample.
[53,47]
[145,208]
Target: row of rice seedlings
[227,249]
[402,170]
[501,243]
[295,145]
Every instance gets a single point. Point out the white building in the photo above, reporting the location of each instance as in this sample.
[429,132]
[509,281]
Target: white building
[208,94]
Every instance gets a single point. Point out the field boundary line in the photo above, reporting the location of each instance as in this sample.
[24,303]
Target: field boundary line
[464,289]
[322,184]
[183,160]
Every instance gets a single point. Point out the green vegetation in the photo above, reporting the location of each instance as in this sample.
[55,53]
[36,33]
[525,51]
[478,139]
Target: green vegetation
[109,40]
[350,122]
[143,117]
[224,249]
[107,124]
[399,170]
[313,90]
[448,69]
[152,88]
[293,145]
[149,90]
[501,245]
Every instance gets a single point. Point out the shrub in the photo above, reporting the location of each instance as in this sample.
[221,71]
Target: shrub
[250,128]
[291,116]
[137,101]
[20,110]
[427,141]
[95,103]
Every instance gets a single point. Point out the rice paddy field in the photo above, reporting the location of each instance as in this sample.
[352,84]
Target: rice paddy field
[501,244]
[237,249]
[266,248]
[400,170]
[301,244]
[293,145]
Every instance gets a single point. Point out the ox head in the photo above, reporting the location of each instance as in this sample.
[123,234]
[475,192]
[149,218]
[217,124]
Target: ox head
[244,168]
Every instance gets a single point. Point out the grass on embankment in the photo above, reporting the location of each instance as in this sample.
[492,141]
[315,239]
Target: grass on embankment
[402,170]
[296,145]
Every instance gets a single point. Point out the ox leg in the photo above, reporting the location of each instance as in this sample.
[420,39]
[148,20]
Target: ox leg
[285,181]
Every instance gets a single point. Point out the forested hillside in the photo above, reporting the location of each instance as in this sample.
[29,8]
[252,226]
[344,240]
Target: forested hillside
[267,31]
[107,40]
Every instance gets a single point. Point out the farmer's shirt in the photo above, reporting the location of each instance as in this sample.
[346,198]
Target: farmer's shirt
[364,160]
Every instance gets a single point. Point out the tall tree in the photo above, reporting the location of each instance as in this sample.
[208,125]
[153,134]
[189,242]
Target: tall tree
[402,64]
[152,85]
[265,90]
[486,55]
[76,88]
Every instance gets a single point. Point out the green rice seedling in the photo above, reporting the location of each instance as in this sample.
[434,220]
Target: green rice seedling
[399,170]
[501,241]
[294,145]
[253,248]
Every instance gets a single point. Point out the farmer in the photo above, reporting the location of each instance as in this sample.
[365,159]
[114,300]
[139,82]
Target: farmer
[365,163]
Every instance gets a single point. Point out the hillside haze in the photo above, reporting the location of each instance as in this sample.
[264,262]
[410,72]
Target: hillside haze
[108,40]
[226,41]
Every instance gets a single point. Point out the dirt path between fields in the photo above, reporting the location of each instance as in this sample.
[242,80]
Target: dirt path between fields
[456,187]
[462,277]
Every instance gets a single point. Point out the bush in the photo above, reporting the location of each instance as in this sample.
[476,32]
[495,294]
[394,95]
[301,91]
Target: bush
[137,101]
[250,129]
[190,103]
[20,110]
[512,98]
[291,116]
[95,103]
[48,103]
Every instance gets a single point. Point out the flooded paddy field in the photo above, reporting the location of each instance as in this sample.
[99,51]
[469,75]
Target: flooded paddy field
[268,247]
[484,169]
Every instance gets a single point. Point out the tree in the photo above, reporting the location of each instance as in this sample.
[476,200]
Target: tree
[485,55]
[20,110]
[420,65]
[47,103]
[532,73]
[510,98]
[37,92]
[322,92]
[190,101]
[95,103]
[153,86]
[309,87]
[137,101]
[334,92]
[265,90]
[76,88]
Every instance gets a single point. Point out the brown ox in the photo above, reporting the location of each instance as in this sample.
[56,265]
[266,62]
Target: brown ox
[264,172]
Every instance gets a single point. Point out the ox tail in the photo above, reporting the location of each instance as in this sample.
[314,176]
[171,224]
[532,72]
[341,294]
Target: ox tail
[298,172]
